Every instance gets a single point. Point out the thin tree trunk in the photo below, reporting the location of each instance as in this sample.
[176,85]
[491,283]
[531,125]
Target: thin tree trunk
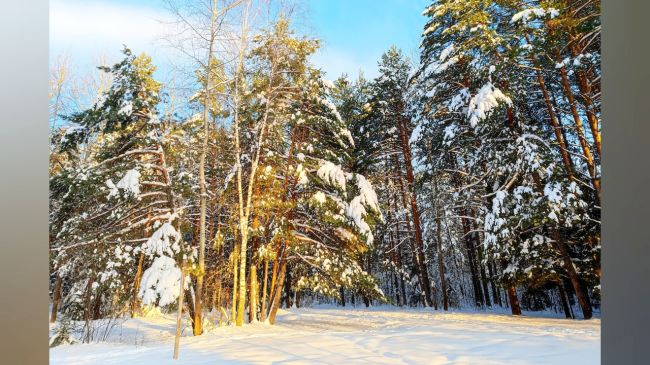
[398,255]
[441,261]
[564,152]
[585,91]
[486,293]
[586,151]
[235,289]
[281,260]
[264,289]
[136,286]
[198,295]
[495,291]
[275,304]
[179,314]
[563,299]
[287,289]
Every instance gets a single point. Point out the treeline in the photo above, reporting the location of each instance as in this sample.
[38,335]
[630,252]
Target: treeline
[469,180]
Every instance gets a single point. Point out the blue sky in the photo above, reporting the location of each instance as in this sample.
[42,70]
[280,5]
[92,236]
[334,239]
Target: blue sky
[354,32]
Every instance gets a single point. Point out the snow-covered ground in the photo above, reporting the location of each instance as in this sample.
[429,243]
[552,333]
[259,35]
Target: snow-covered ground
[351,336]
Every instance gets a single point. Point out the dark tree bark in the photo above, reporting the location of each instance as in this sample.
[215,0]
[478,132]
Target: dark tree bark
[512,298]
[563,299]
[495,289]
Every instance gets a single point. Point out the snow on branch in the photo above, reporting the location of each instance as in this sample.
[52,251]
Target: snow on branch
[129,184]
[163,241]
[161,282]
[525,15]
[487,98]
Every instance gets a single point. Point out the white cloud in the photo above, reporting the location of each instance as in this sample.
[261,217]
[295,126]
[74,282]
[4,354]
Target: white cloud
[85,29]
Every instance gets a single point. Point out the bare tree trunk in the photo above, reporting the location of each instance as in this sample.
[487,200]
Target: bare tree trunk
[198,295]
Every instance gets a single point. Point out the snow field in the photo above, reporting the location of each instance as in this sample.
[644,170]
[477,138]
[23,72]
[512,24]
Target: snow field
[351,336]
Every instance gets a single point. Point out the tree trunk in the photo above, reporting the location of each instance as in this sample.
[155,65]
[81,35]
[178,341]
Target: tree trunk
[512,293]
[486,293]
[471,259]
[136,286]
[414,251]
[398,254]
[564,152]
[253,293]
[563,299]
[287,289]
[419,245]
[198,295]
[179,314]
[280,264]
[591,166]
[275,304]
[56,298]
[585,91]
[264,289]
[581,293]
[513,300]
[441,262]
[495,291]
